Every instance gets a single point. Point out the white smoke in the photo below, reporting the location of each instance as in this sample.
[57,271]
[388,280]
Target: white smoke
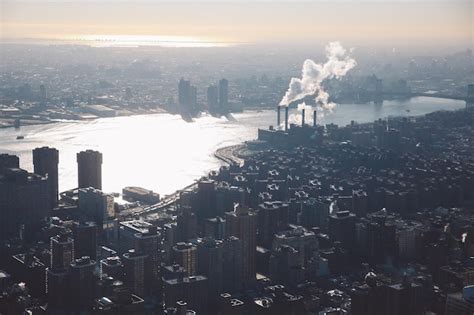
[312,76]
[297,118]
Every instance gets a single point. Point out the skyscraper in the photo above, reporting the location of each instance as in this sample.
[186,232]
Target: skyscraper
[232,264]
[212,98]
[187,224]
[62,251]
[185,255]
[82,283]
[57,275]
[187,95]
[148,244]
[242,223]
[184,93]
[111,267]
[85,240]
[342,228]
[134,268]
[89,165]
[215,228]
[223,94]
[57,289]
[210,264]
[206,197]
[193,97]
[24,202]
[273,217]
[45,161]
[193,290]
[98,207]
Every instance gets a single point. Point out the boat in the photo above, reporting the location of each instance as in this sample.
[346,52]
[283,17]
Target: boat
[20,137]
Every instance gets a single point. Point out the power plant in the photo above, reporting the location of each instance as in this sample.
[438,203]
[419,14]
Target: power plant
[303,115]
[292,133]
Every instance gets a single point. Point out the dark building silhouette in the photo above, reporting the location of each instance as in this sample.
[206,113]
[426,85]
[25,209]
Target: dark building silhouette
[57,289]
[148,244]
[185,255]
[111,267]
[210,264]
[134,271]
[85,240]
[29,269]
[99,207]
[187,96]
[232,264]
[62,251]
[314,213]
[9,161]
[81,278]
[186,224]
[242,223]
[342,228]
[24,203]
[212,98]
[184,93]
[45,161]
[285,266]
[215,228]
[192,289]
[89,165]
[404,298]
[272,218]
[57,275]
[224,94]
[206,196]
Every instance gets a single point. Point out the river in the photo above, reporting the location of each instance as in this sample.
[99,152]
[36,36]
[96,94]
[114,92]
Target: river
[162,152]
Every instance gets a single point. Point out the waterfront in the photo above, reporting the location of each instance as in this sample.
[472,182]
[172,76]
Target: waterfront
[164,153]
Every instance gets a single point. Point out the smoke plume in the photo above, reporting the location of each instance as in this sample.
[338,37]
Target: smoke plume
[338,63]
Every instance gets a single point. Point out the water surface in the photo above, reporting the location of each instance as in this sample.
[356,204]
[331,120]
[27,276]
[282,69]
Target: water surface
[162,152]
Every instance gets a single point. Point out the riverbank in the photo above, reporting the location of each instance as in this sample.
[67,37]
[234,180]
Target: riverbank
[170,151]
[9,122]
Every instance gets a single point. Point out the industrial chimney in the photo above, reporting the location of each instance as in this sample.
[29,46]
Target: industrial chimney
[302,117]
[315,115]
[286,118]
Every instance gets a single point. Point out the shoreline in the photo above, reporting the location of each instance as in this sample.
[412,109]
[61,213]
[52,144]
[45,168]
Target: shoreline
[29,122]
[225,154]
[46,122]
[228,155]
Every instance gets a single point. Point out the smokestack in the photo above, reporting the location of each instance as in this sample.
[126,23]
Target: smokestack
[286,118]
[278,116]
[302,117]
[315,115]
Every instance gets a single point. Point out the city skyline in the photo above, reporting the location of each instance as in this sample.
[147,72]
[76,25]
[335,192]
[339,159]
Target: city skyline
[249,157]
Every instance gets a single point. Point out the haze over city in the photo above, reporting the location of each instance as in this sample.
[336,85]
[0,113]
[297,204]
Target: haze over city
[377,23]
[230,157]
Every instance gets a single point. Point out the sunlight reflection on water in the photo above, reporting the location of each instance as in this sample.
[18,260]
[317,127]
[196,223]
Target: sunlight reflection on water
[164,153]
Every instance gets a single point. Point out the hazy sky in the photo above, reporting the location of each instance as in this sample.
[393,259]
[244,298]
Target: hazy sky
[376,22]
